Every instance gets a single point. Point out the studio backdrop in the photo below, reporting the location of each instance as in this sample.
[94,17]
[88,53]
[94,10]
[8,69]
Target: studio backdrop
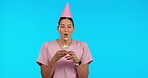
[115,30]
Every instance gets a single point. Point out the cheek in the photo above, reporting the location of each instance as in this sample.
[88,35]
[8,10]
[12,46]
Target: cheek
[60,30]
[71,31]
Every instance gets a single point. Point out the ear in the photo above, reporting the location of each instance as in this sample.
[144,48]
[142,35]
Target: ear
[73,29]
[58,28]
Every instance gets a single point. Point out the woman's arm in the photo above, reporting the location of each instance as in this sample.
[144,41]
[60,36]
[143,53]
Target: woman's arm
[82,70]
[48,70]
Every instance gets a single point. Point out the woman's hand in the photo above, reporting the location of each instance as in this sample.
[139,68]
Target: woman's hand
[72,56]
[59,54]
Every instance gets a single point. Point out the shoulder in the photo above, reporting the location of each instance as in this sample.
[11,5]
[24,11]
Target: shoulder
[80,42]
[47,43]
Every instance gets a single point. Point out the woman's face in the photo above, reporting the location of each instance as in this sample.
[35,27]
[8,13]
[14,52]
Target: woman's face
[65,28]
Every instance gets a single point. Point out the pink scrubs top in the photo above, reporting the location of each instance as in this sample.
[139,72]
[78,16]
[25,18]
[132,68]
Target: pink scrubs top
[64,68]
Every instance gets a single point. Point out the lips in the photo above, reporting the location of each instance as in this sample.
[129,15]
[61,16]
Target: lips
[66,35]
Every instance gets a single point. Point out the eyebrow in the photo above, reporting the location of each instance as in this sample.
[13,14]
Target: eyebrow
[69,24]
[62,24]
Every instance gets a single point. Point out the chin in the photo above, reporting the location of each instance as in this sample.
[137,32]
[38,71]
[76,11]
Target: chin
[65,37]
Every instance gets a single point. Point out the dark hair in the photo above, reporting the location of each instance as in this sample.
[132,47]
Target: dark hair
[61,18]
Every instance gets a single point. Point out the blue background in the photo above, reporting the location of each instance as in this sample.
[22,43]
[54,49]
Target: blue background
[115,30]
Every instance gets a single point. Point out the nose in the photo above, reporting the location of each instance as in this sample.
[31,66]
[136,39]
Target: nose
[65,29]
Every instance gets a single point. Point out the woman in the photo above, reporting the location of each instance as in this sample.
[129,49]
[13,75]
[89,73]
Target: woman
[57,62]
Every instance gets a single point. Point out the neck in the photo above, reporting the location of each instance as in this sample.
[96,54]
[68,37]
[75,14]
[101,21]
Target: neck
[64,41]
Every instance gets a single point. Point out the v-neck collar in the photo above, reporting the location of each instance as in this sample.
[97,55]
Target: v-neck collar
[61,47]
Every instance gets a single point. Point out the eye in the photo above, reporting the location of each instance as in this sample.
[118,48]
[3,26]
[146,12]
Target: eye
[69,26]
[62,26]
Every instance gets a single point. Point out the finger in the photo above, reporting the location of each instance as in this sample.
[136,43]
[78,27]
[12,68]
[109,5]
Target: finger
[70,58]
[70,53]
[63,54]
[62,50]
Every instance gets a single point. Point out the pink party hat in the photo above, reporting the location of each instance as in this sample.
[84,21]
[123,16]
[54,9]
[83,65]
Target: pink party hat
[66,12]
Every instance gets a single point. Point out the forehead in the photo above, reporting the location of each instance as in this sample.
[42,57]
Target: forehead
[65,21]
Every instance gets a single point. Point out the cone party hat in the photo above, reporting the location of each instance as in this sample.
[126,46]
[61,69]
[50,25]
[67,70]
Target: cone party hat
[66,12]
